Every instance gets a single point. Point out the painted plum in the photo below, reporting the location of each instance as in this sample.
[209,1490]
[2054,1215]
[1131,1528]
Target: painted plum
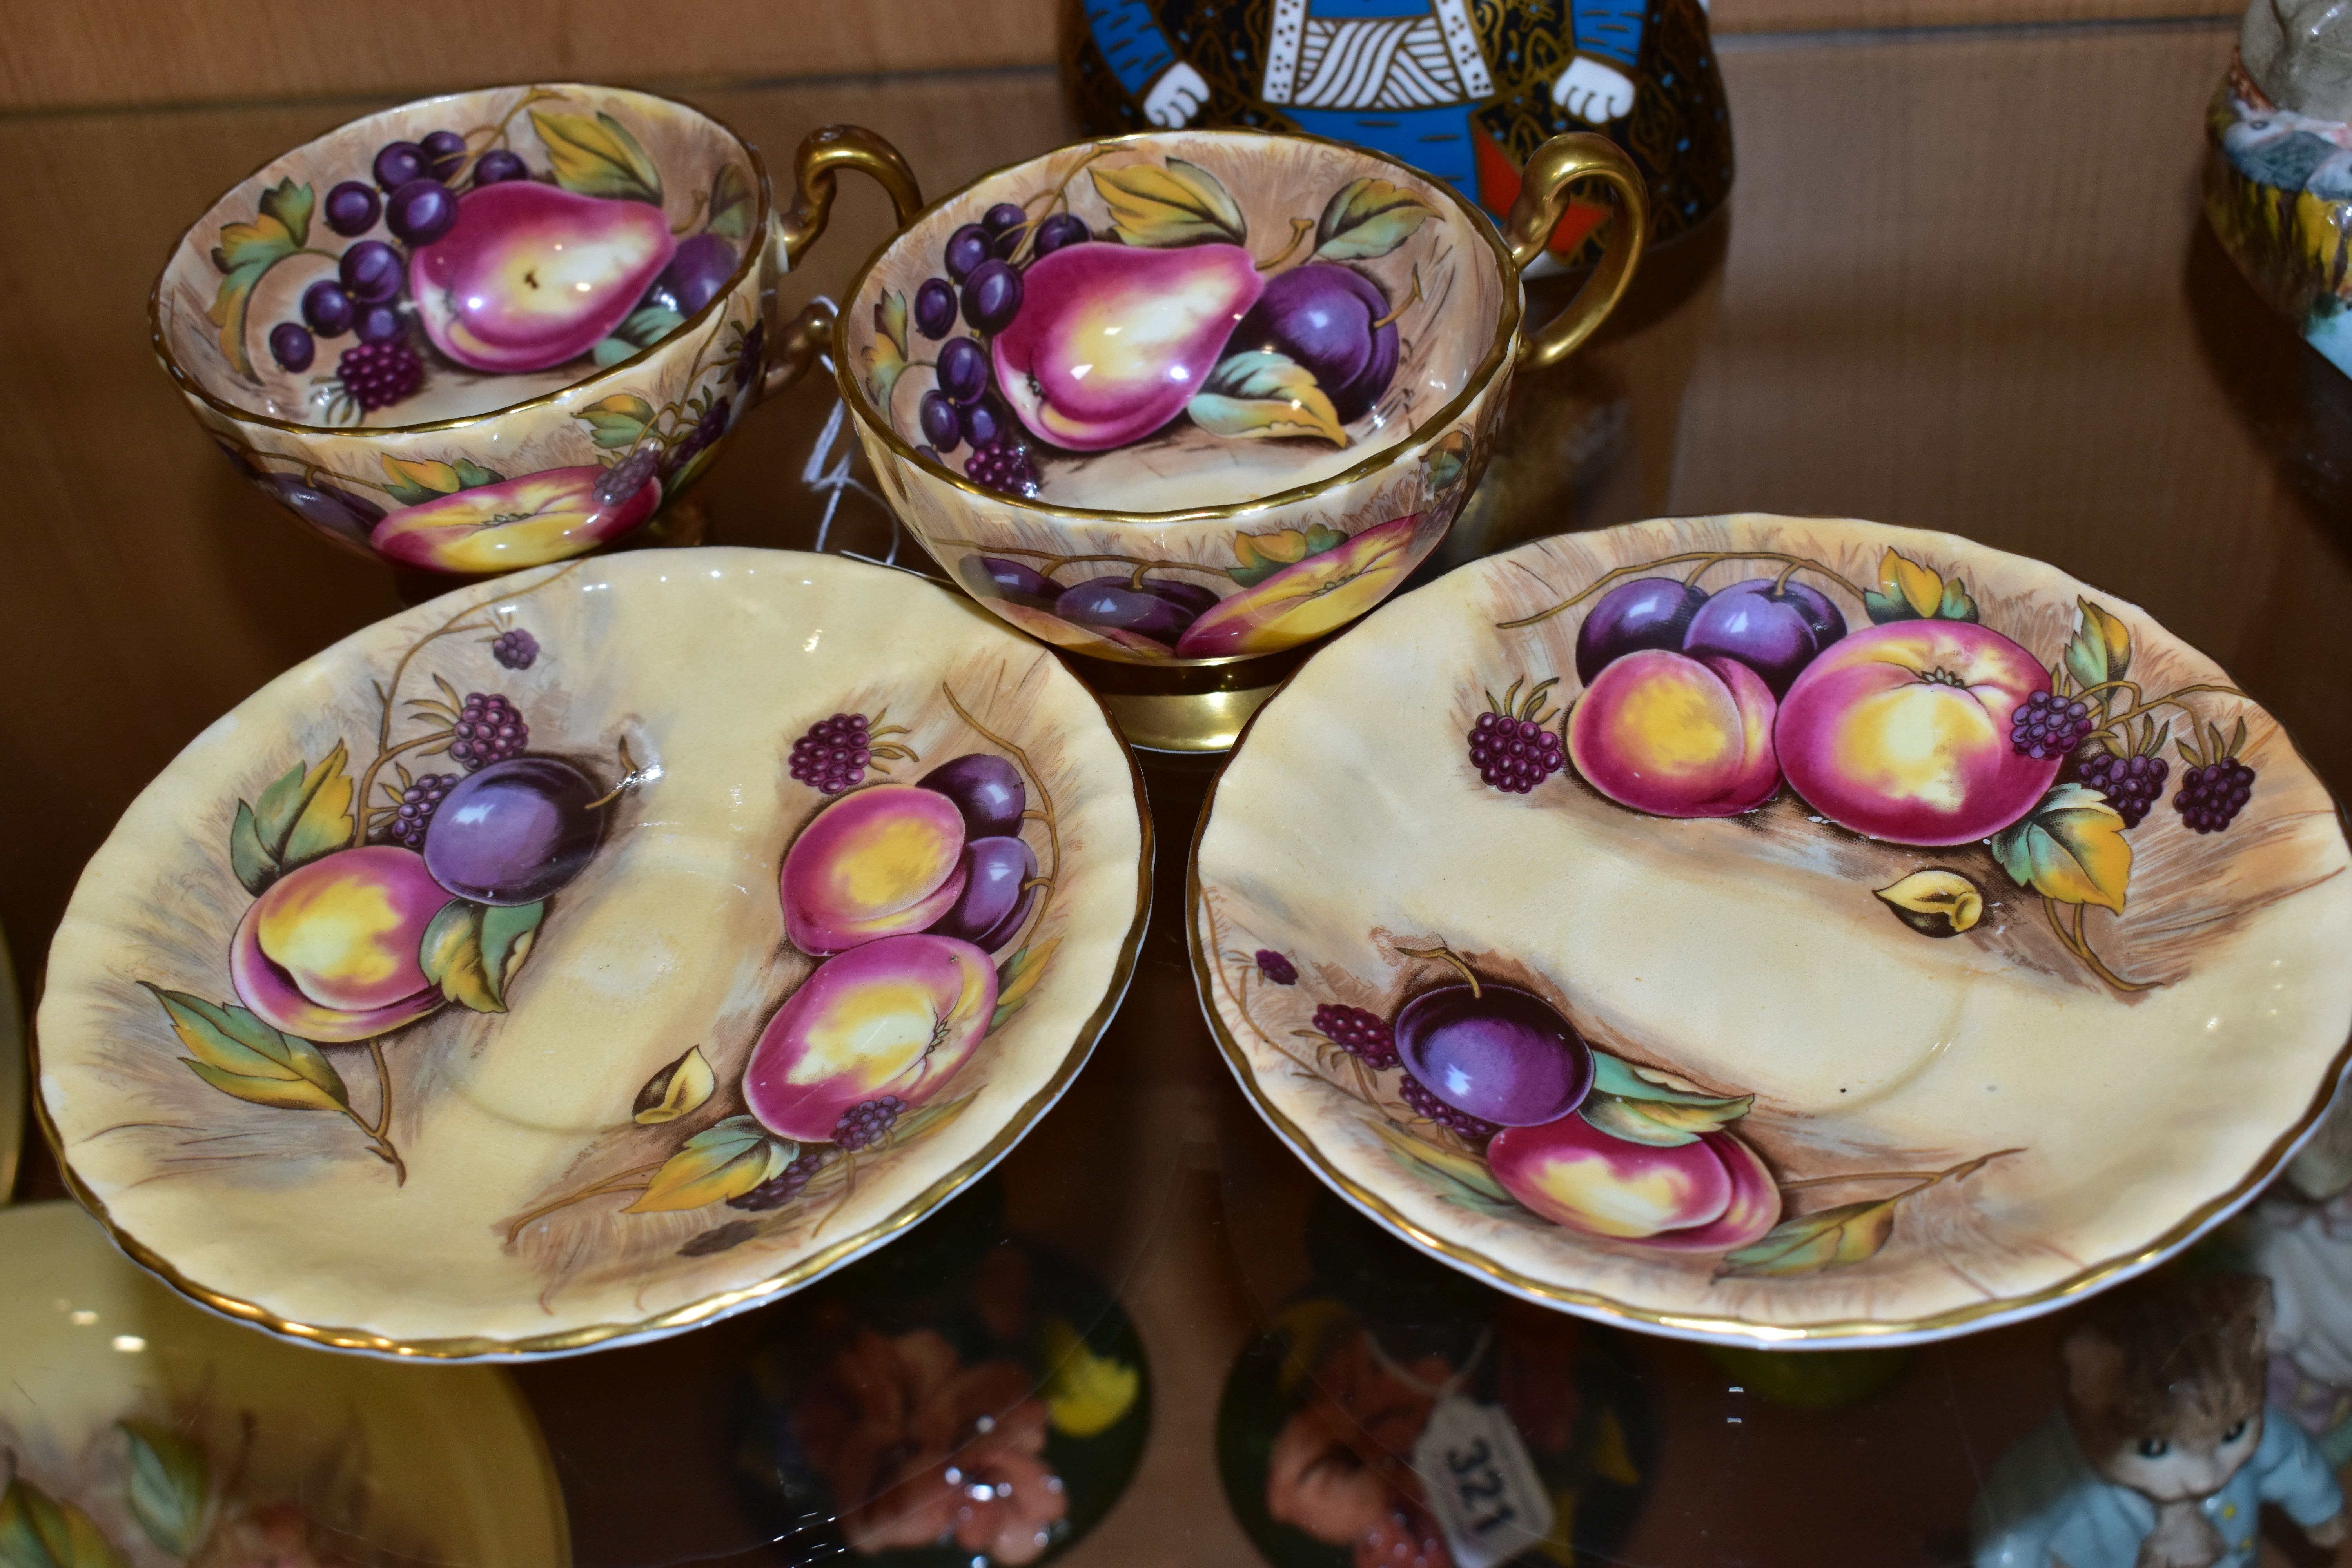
[895,1016]
[1901,732]
[532,275]
[1713,1193]
[1677,736]
[329,951]
[881,862]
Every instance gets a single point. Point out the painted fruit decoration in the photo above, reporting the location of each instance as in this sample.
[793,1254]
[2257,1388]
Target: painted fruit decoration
[377,904]
[919,903]
[467,259]
[1923,727]
[1489,1098]
[1057,342]
[513,523]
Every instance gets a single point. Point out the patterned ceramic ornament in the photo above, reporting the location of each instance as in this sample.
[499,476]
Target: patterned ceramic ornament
[592,956]
[135,1429]
[1465,93]
[2278,193]
[1776,930]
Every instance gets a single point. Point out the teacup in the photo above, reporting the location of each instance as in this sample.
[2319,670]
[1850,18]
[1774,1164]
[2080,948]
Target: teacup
[1189,399]
[496,329]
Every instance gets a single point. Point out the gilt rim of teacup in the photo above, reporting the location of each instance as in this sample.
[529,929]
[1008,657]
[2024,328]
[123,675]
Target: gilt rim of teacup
[1482,379]
[754,255]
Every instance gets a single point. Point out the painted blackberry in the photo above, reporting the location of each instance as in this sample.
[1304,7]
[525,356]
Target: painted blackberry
[834,754]
[748,362]
[867,1124]
[2047,726]
[706,432]
[780,1188]
[2132,784]
[1003,465]
[515,648]
[1459,1123]
[626,477]
[1509,745]
[415,812]
[1363,1035]
[1275,967]
[377,376]
[489,729]
[2211,796]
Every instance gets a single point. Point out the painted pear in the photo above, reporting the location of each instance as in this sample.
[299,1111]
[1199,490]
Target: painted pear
[531,274]
[1113,341]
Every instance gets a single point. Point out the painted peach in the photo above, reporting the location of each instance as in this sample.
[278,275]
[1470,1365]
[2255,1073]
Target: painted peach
[1663,732]
[1301,602]
[329,952]
[1901,732]
[881,862]
[542,517]
[895,1017]
[1712,1194]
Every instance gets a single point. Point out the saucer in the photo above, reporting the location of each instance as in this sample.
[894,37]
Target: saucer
[1886,938]
[164,1427]
[715,917]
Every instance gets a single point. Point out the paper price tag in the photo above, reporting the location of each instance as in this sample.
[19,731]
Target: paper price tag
[1479,1483]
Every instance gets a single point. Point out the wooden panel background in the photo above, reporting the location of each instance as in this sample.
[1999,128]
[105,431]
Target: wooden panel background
[95,53]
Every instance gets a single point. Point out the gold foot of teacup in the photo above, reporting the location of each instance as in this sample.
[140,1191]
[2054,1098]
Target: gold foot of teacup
[1189,709]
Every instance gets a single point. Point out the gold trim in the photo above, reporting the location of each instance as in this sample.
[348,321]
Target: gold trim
[1829,1334]
[1482,379]
[709,1308]
[753,255]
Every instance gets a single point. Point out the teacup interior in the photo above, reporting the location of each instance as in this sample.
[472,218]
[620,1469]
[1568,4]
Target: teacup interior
[1186,320]
[577,226]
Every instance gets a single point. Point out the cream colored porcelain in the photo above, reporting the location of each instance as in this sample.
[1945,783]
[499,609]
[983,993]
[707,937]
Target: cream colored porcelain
[264,1452]
[313,1087]
[12,1076]
[1987,1076]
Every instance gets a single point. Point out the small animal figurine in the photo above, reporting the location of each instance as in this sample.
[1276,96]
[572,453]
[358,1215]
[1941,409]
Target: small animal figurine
[2161,1456]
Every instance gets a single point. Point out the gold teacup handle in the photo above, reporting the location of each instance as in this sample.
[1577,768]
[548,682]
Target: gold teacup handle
[825,152]
[1543,202]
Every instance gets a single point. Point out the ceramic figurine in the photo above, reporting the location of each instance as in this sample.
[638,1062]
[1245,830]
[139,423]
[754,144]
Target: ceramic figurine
[2299,1236]
[1738,909]
[496,329]
[1188,398]
[2163,1454]
[2278,174]
[1465,93]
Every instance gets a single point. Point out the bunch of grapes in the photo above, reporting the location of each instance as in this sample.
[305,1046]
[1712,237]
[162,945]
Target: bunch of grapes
[489,729]
[415,812]
[2211,796]
[1277,968]
[1003,465]
[1515,755]
[832,755]
[2132,784]
[2047,726]
[783,1187]
[1362,1035]
[515,648]
[1461,1123]
[867,1124]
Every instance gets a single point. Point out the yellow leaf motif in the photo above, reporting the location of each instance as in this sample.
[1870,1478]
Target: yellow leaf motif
[1828,1238]
[1020,976]
[1940,902]
[38,1531]
[2070,847]
[597,157]
[1261,395]
[678,1089]
[1180,205]
[1899,576]
[719,1162]
[1368,218]
[1085,1394]
[1279,548]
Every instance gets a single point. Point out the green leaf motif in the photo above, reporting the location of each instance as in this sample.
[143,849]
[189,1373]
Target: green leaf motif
[229,307]
[472,476]
[1460,1181]
[1828,1238]
[890,321]
[508,931]
[38,1531]
[254,865]
[2070,847]
[1180,205]
[598,157]
[1957,605]
[290,206]
[451,955]
[1658,1122]
[238,1054]
[1368,218]
[926,1120]
[648,326]
[306,813]
[1017,977]
[730,203]
[618,422]
[722,1161]
[2101,649]
[1262,394]
[1612,1075]
[170,1477]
